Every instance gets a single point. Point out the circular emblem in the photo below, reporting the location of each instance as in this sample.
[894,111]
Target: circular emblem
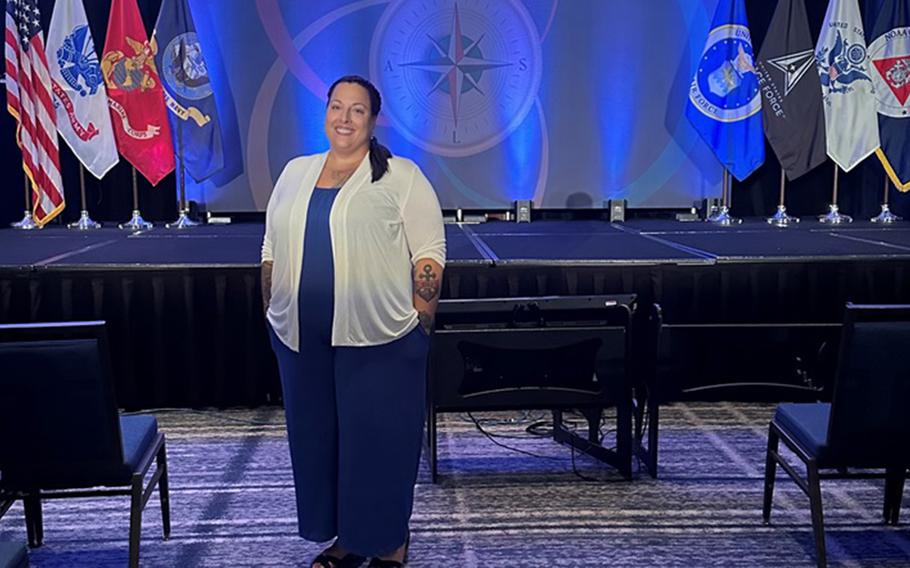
[458,76]
[726,85]
[184,67]
[889,56]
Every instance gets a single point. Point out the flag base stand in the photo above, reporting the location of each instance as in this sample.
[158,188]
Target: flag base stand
[834,217]
[85,223]
[724,218]
[137,223]
[26,224]
[183,222]
[781,219]
[886,217]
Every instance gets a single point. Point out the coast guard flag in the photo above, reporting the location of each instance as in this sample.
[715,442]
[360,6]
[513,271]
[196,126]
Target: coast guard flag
[792,100]
[28,99]
[850,123]
[187,90]
[724,97]
[135,96]
[83,119]
[889,53]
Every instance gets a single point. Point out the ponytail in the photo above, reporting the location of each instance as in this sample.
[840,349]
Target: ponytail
[379,158]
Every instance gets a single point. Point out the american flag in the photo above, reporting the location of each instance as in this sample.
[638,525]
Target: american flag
[29,100]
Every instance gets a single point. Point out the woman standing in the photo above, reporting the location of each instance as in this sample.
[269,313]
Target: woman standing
[352,264]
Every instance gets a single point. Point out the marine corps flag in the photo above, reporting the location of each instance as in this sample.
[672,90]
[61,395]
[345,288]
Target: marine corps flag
[889,56]
[135,95]
[791,91]
[187,90]
[724,97]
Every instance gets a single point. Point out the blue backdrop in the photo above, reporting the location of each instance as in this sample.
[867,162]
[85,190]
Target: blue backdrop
[566,102]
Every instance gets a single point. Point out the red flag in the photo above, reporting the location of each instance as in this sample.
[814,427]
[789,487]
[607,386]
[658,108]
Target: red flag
[28,99]
[135,95]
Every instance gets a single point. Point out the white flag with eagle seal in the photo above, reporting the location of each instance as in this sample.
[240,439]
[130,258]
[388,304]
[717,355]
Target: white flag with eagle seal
[851,122]
[83,118]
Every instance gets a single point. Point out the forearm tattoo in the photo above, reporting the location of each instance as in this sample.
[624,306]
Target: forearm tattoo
[426,284]
[266,285]
[426,321]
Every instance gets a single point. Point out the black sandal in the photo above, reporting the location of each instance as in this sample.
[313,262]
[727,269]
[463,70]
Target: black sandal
[349,560]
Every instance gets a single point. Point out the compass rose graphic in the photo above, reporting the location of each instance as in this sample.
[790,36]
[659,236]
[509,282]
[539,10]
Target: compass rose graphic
[458,66]
[459,77]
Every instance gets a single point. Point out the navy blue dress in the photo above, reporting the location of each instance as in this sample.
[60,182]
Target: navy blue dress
[355,415]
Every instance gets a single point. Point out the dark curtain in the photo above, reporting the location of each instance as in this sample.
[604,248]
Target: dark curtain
[183,337]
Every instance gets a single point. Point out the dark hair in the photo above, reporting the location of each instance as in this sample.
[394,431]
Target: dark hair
[379,154]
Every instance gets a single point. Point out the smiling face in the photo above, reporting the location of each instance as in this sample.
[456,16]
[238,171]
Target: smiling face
[348,121]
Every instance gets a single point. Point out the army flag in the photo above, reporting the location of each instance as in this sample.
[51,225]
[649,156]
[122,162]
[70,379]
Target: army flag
[851,127]
[135,96]
[187,90]
[83,119]
[724,97]
[791,91]
[889,55]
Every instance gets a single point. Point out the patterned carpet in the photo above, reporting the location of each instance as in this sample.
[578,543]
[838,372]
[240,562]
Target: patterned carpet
[232,502]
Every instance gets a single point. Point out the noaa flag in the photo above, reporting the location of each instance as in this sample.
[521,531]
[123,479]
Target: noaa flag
[187,91]
[791,91]
[889,56]
[79,94]
[850,123]
[724,97]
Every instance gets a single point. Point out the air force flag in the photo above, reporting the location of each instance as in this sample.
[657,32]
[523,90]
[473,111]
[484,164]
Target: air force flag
[725,97]
[187,91]
[80,98]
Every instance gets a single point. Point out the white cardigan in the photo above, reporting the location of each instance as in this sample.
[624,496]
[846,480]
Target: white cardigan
[378,231]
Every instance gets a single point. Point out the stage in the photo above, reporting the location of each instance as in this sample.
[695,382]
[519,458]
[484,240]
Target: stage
[749,305]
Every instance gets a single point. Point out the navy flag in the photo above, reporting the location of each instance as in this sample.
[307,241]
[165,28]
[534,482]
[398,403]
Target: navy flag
[791,91]
[724,97]
[187,90]
[889,56]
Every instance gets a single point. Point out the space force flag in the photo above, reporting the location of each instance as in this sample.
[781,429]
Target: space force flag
[724,97]
[889,55]
[135,95]
[187,91]
[83,119]
[791,91]
[850,124]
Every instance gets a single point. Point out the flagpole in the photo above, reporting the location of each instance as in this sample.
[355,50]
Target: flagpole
[781,219]
[834,217]
[28,222]
[886,217]
[723,216]
[85,222]
[183,220]
[136,223]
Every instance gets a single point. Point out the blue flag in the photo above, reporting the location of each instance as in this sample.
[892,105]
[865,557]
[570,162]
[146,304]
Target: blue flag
[187,91]
[889,57]
[725,94]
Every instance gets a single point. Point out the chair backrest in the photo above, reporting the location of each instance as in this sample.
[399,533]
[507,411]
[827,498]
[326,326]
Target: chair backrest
[870,412]
[59,424]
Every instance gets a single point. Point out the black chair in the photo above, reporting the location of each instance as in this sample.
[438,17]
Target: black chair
[61,435]
[866,427]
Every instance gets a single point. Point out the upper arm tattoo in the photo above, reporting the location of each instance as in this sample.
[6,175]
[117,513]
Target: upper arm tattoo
[426,283]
